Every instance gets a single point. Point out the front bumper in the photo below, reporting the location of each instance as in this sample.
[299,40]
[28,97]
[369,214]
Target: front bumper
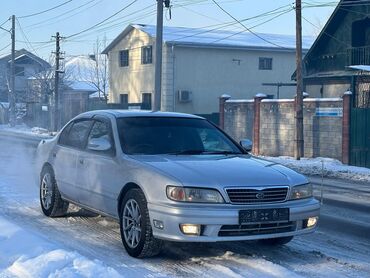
[214,218]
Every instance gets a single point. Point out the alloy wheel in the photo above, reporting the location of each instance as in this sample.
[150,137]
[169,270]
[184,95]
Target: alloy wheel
[46,191]
[131,223]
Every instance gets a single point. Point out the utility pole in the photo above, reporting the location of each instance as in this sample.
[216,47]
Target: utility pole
[158,57]
[12,97]
[158,54]
[57,114]
[299,146]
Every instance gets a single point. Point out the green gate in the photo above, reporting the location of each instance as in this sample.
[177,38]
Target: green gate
[360,137]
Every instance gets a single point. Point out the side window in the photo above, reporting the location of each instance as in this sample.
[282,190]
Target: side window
[63,138]
[102,129]
[78,134]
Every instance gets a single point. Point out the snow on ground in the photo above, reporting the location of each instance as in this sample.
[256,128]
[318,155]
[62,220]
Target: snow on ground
[329,167]
[25,254]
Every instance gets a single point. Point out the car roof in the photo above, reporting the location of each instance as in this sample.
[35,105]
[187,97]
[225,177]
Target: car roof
[137,113]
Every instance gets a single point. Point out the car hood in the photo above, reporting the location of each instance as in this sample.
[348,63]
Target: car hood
[222,170]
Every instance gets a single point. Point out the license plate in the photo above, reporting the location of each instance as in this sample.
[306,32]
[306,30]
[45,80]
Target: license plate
[263,215]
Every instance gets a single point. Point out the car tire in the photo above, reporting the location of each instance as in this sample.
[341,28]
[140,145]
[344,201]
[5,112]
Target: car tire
[276,241]
[136,230]
[52,204]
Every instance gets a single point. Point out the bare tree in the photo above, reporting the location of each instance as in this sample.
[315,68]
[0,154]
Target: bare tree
[99,76]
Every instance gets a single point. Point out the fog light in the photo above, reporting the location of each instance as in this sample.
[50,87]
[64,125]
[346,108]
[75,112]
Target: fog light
[190,229]
[158,224]
[311,222]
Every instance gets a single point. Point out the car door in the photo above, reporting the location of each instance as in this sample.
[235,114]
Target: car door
[99,171]
[71,141]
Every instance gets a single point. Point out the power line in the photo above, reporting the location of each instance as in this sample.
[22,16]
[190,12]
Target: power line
[47,10]
[104,20]
[25,37]
[52,20]
[248,29]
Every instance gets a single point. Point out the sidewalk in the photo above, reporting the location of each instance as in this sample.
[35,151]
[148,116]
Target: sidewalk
[23,134]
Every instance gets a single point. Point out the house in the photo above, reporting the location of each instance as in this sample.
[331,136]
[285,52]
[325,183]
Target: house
[199,65]
[343,44]
[26,65]
[338,62]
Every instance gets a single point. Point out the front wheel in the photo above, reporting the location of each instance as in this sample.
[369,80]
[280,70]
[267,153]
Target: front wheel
[276,241]
[136,231]
[52,204]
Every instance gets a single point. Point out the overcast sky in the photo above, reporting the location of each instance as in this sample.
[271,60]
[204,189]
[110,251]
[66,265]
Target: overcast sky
[74,16]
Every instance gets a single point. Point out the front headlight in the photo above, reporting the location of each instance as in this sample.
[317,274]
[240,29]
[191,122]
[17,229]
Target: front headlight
[194,194]
[301,191]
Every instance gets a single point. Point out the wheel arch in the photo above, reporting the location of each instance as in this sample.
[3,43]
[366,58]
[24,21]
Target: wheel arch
[126,188]
[45,166]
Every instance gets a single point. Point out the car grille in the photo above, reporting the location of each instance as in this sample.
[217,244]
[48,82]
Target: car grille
[251,195]
[257,229]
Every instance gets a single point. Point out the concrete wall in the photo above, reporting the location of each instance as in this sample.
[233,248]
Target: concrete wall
[210,72]
[322,134]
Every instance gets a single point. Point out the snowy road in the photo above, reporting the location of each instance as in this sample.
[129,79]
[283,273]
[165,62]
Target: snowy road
[87,245]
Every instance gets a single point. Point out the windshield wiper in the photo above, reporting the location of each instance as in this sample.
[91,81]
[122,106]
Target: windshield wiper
[197,152]
[221,152]
[184,152]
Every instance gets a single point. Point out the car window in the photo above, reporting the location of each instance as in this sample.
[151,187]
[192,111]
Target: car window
[63,138]
[78,134]
[147,135]
[101,129]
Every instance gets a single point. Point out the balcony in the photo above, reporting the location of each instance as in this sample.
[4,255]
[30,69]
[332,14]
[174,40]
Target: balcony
[358,56]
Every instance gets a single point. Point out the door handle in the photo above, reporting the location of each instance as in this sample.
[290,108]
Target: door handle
[81,161]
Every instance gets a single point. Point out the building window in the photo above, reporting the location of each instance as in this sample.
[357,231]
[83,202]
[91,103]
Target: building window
[124,100]
[146,55]
[19,71]
[146,101]
[124,58]
[265,63]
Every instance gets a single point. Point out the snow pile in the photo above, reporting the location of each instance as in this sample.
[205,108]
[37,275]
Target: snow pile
[330,167]
[23,254]
[24,129]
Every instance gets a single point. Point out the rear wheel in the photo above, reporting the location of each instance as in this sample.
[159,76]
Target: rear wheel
[276,241]
[136,230]
[51,202]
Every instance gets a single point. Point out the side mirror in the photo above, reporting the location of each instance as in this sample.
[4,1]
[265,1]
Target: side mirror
[99,144]
[246,144]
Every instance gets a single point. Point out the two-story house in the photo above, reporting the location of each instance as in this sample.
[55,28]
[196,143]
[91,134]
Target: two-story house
[199,65]
[342,46]
[26,66]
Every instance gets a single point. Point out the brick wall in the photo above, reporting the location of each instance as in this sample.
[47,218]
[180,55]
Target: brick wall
[322,132]
[238,121]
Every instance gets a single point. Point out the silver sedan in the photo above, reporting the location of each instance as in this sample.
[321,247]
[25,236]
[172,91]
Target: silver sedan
[170,176]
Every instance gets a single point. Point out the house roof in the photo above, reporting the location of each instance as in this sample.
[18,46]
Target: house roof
[25,53]
[331,25]
[217,38]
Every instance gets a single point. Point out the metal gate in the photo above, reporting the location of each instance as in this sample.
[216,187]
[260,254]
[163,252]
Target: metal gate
[360,137]
[360,125]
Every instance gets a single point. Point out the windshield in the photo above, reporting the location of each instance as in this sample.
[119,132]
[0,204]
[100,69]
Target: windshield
[160,135]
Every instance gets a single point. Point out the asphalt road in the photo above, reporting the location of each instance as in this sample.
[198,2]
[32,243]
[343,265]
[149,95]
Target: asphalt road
[340,247]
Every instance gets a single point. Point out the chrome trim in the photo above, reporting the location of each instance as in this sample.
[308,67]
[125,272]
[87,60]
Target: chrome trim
[258,189]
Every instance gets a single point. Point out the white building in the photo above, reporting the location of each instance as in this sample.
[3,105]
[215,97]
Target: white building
[198,66]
